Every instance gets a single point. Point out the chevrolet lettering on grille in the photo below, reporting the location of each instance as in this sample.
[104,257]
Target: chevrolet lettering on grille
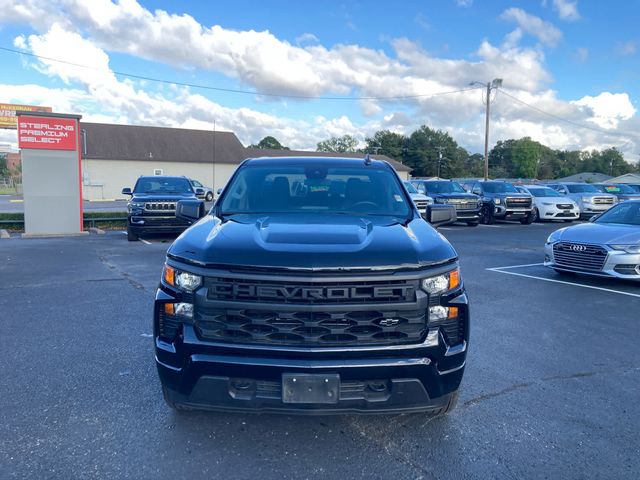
[277,292]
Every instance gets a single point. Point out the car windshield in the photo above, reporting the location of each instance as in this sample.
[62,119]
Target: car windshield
[498,187]
[443,187]
[618,189]
[543,192]
[627,213]
[314,188]
[636,188]
[162,185]
[410,188]
[582,188]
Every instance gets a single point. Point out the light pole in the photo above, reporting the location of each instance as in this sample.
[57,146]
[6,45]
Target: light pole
[495,83]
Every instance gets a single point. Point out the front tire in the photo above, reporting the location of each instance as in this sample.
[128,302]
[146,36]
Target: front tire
[528,220]
[536,216]
[132,237]
[209,197]
[487,215]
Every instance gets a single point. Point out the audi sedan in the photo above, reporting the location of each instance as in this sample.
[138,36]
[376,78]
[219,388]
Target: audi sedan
[609,245]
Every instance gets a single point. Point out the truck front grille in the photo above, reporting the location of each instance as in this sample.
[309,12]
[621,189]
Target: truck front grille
[160,206]
[311,328]
[268,291]
[564,206]
[579,256]
[465,204]
[518,202]
[603,200]
[421,204]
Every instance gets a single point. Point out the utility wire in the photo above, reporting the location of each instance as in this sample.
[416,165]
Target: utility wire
[231,90]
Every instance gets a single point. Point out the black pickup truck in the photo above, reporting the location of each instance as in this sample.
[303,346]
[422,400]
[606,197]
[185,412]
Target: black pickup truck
[468,206]
[502,201]
[152,206]
[312,286]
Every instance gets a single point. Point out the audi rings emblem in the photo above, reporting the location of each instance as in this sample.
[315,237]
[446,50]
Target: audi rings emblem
[578,248]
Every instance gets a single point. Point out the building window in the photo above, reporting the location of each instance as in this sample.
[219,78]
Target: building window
[157,171]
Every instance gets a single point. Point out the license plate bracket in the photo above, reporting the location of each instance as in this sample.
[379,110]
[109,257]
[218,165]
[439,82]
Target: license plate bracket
[310,388]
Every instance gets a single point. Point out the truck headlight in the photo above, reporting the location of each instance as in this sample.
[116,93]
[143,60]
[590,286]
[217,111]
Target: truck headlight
[135,205]
[442,200]
[634,248]
[183,280]
[179,309]
[586,199]
[496,201]
[441,283]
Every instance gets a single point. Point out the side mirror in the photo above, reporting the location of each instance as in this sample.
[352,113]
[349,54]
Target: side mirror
[126,191]
[441,214]
[199,192]
[219,191]
[594,218]
[190,210]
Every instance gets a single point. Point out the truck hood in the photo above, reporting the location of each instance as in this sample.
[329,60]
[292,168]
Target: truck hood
[601,233]
[151,197]
[328,242]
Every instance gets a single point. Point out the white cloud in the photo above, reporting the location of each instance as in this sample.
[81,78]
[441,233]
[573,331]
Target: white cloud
[464,3]
[607,109]
[306,38]
[582,54]
[545,32]
[626,48]
[567,9]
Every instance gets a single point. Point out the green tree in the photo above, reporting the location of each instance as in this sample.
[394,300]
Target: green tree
[525,158]
[385,142]
[4,170]
[343,144]
[270,143]
[428,151]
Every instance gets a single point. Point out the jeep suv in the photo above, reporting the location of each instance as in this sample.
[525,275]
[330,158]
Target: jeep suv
[152,206]
[294,294]
[467,205]
[590,200]
[502,201]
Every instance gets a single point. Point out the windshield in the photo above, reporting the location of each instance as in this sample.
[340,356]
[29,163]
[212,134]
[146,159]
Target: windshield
[543,192]
[410,188]
[498,187]
[582,188]
[443,187]
[314,188]
[618,189]
[162,185]
[627,213]
[636,188]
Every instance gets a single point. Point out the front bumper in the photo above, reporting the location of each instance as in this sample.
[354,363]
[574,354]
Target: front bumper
[372,379]
[156,224]
[591,209]
[551,212]
[501,211]
[618,264]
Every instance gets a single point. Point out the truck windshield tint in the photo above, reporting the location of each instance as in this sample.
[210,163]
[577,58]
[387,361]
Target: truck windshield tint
[162,185]
[499,187]
[443,187]
[583,188]
[410,188]
[314,188]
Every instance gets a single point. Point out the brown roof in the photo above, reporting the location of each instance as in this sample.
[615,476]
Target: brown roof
[106,141]
[266,152]
[133,142]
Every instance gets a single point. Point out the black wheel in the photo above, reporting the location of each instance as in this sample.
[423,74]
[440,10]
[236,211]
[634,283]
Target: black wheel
[472,224]
[170,403]
[528,220]
[487,215]
[132,237]
[208,197]
[536,215]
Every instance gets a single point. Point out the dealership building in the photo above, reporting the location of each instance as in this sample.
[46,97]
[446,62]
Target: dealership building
[114,156]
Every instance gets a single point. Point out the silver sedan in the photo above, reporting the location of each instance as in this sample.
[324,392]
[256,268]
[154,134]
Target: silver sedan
[609,245]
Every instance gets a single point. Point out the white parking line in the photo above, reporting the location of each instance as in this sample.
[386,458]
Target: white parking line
[490,226]
[502,270]
[144,241]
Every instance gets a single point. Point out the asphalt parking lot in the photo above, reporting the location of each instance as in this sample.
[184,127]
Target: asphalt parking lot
[550,391]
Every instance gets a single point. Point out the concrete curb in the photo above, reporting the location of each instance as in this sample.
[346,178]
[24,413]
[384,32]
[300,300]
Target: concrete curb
[97,231]
[54,235]
[4,234]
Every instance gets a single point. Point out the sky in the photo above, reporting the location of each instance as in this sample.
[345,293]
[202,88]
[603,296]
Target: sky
[304,71]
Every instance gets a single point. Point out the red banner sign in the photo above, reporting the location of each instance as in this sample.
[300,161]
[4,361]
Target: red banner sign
[47,133]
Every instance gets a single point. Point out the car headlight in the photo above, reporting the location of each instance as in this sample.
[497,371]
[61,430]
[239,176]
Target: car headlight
[136,205]
[586,199]
[183,280]
[634,248]
[555,236]
[441,283]
[496,201]
[548,204]
[179,309]
[442,200]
